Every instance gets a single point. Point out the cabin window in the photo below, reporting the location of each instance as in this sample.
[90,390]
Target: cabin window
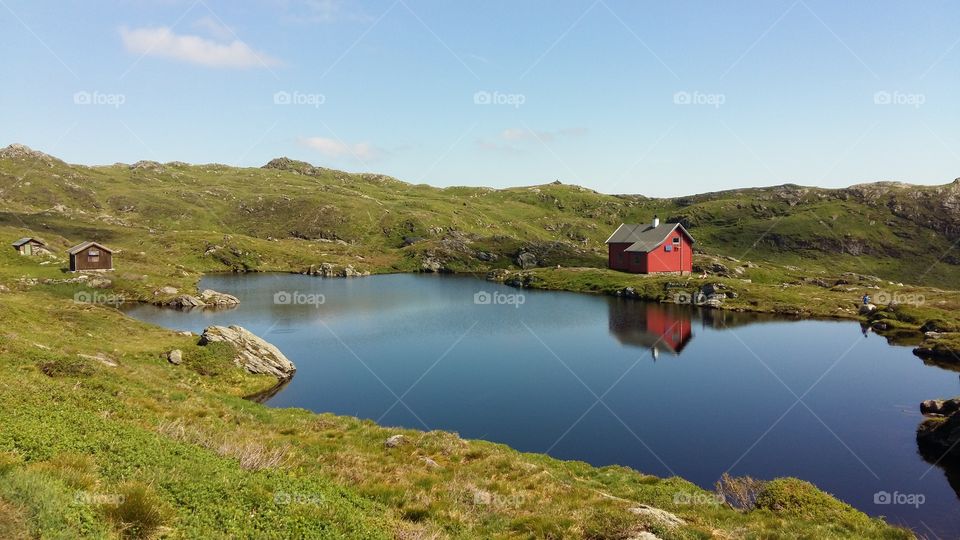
[636,258]
[93,255]
[667,247]
[676,241]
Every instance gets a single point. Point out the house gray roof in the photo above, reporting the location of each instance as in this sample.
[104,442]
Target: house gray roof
[24,240]
[644,237]
[78,248]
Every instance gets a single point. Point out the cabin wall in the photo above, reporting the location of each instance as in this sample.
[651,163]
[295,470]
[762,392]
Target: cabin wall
[679,258]
[84,261]
[620,259]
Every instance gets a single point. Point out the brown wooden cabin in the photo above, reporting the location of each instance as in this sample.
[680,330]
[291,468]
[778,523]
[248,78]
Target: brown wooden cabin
[90,256]
[30,246]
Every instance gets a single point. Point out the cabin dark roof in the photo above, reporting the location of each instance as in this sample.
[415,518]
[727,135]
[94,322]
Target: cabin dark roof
[644,237]
[27,239]
[78,248]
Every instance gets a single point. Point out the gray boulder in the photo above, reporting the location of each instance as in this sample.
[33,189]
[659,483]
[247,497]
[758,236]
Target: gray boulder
[185,301]
[253,353]
[393,441]
[175,357]
[526,260]
[211,297]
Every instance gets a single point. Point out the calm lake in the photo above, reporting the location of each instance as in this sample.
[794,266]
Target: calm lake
[667,390]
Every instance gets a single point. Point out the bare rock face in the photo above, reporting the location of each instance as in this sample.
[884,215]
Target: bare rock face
[185,301]
[253,353]
[211,297]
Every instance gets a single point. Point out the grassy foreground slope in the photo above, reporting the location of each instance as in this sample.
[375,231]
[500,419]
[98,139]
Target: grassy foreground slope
[102,437]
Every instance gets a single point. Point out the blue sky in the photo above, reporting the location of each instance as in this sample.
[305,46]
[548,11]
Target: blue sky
[657,98]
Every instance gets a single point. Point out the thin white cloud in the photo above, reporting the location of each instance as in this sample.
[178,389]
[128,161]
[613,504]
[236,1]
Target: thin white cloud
[513,140]
[335,149]
[214,28]
[163,42]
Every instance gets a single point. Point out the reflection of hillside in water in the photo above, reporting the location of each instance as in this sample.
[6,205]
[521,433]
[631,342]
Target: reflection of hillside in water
[668,327]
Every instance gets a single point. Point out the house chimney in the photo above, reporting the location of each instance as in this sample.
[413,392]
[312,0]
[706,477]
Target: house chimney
[656,222]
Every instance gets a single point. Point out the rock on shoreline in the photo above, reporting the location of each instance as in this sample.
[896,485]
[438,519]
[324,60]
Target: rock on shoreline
[939,437]
[207,298]
[253,353]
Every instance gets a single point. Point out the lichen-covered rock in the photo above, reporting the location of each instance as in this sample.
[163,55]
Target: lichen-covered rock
[253,353]
[526,260]
[175,357]
[393,441]
[185,301]
[211,297]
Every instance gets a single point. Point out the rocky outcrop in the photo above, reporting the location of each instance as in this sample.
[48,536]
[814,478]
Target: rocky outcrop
[940,407]
[940,346]
[939,438]
[208,298]
[19,151]
[185,301]
[253,353]
[330,270]
[526,260]
[211,297]
[432,264]
[295,166]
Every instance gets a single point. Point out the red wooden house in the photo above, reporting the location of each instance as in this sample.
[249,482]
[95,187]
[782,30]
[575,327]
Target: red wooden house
[650,248]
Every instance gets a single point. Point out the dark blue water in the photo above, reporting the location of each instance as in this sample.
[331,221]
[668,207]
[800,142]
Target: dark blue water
[666,390]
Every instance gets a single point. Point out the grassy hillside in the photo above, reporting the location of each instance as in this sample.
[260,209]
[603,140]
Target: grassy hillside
[291,214]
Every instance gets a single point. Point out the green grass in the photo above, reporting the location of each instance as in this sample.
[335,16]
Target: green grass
[174,451]
[187,455]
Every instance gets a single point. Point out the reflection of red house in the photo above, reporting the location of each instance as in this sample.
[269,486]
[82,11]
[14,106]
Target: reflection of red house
[650,248]
[664,327]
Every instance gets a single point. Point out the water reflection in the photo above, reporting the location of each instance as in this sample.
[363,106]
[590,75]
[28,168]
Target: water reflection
[656,327]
